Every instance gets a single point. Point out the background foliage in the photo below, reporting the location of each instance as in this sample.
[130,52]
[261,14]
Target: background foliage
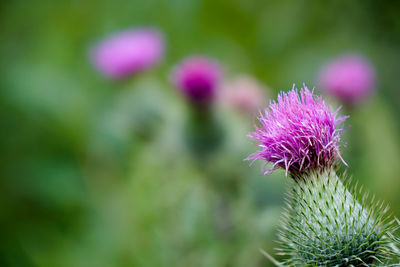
[94,172]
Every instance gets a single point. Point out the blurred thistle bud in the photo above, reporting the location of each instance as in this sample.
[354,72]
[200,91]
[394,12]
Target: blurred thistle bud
[243,93]
[326,223]
[197,78]
[128,52]
[350,78]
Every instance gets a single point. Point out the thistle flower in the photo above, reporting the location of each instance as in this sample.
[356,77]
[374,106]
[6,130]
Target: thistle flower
[244,94]
[197,78]
[128,52]
[350,78]
[298,133]
[325,223]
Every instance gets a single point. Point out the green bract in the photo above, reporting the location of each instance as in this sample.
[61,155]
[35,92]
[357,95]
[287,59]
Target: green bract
[326,224]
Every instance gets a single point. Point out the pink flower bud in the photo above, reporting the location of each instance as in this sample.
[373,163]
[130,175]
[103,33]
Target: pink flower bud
[350,78]
[128,52]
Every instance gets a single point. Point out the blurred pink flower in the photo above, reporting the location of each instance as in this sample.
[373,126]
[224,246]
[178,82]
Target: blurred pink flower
[350,78]
[243,93]
[128,52]
[197,78]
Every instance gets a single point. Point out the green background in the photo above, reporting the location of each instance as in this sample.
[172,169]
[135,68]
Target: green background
[94,172]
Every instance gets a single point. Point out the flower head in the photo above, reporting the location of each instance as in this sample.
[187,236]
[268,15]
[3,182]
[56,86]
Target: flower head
[197,78]
[298,133]
[350,78]
[128,52]
[244,93]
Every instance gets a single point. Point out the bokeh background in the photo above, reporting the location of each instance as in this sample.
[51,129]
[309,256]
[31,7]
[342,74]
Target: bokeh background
[94,172]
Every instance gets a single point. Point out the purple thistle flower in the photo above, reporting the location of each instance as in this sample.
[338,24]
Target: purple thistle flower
[350,78]
[197,78]
[298,133]
[128,52]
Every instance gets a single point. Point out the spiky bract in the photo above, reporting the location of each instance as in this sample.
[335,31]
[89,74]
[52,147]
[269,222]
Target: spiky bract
[298,133]
[326,225]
